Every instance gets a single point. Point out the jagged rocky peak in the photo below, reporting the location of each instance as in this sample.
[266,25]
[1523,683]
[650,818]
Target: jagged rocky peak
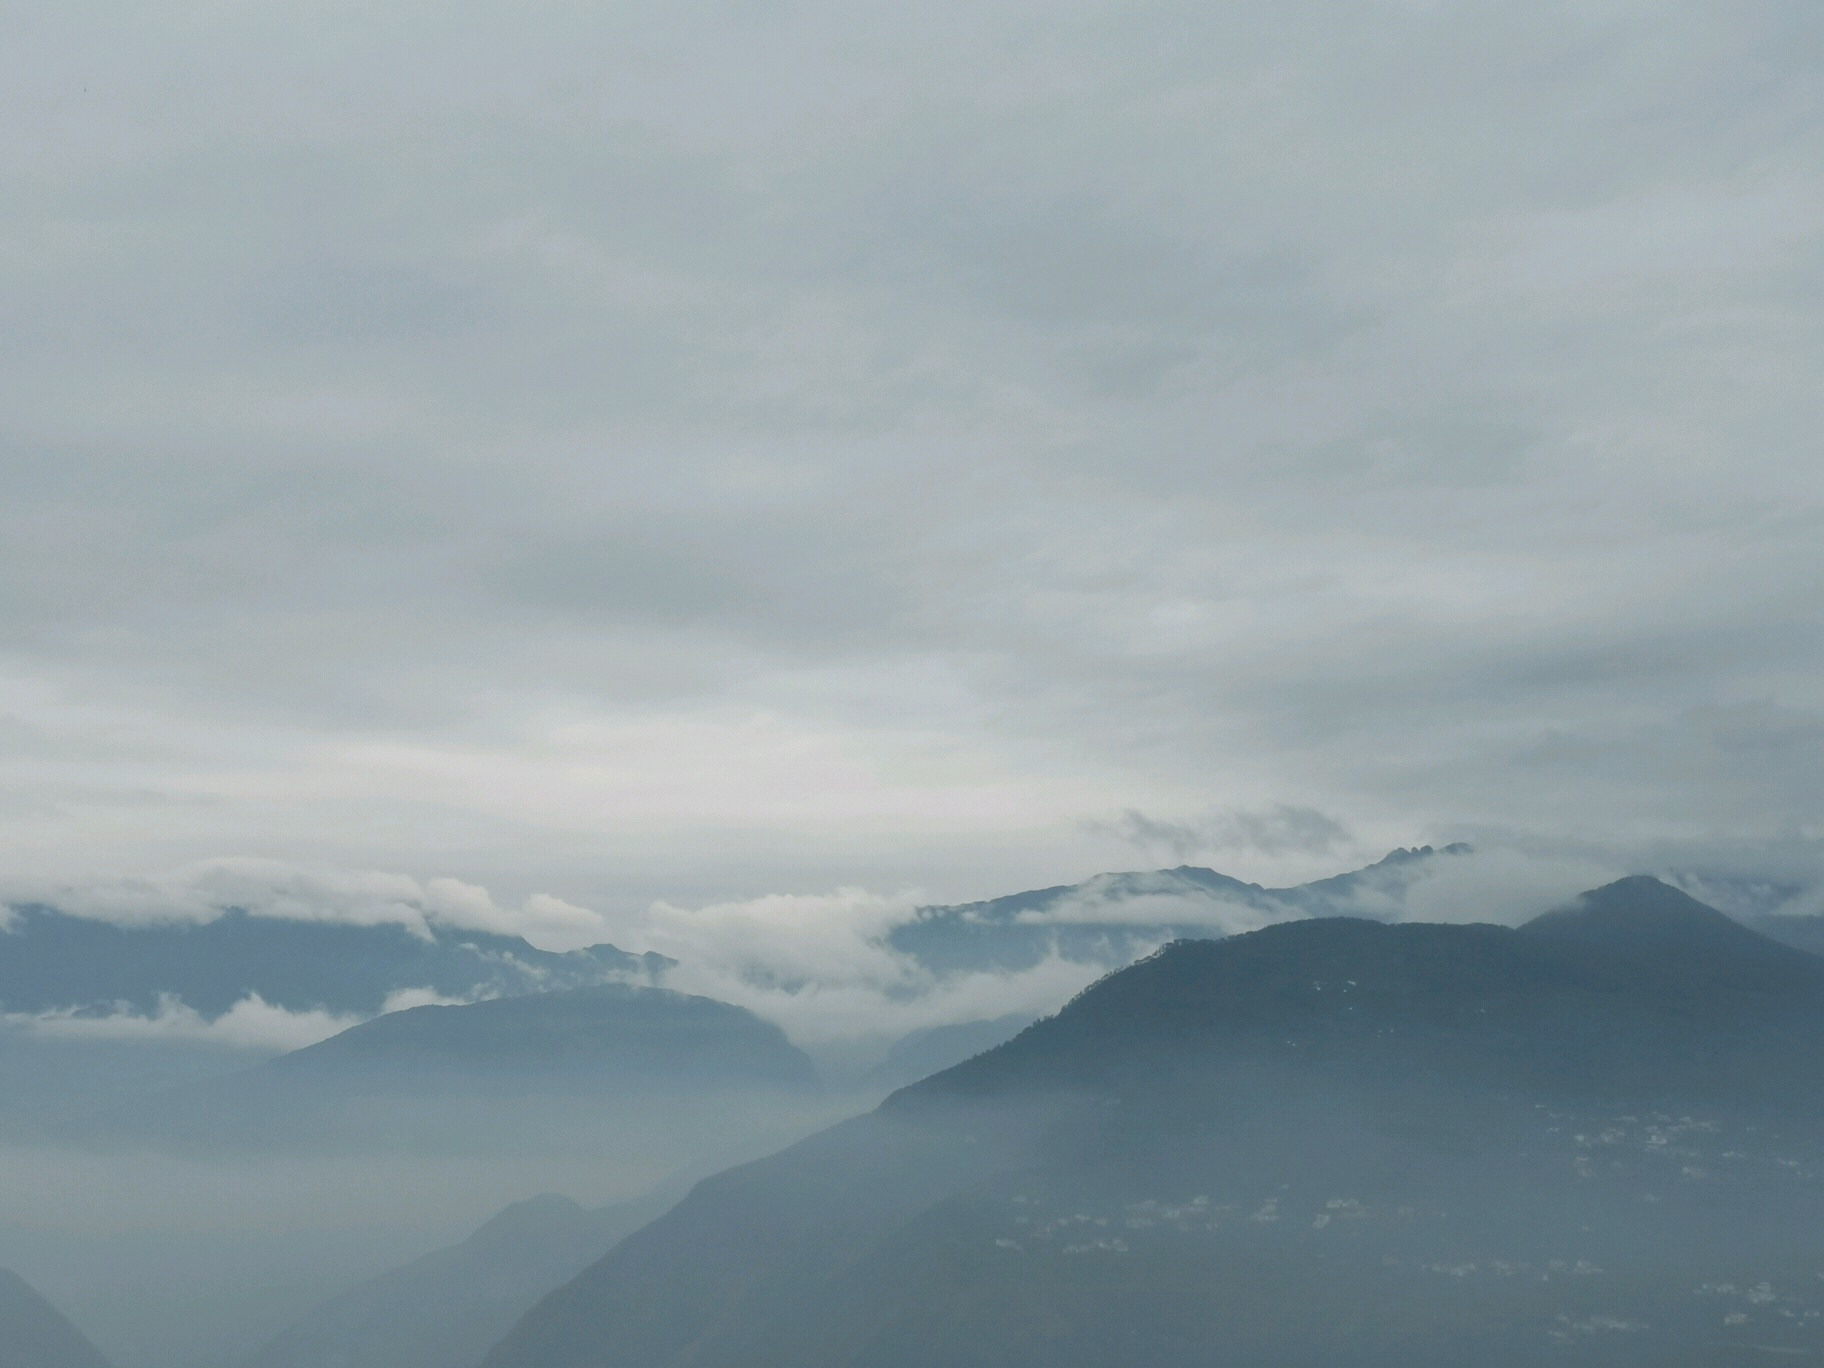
[1402,854]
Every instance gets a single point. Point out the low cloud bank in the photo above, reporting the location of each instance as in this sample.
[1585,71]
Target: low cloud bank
[824,966]
[252,1024]
[1502,886]
[821,966]
[204,890]
[823,969]
[1497,885]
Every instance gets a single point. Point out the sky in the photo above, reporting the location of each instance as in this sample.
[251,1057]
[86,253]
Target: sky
[615,459]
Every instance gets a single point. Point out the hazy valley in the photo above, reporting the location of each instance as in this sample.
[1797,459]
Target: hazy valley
[1346,1136]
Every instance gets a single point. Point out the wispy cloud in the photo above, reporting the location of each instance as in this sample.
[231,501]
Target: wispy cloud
[252,1024]
[1277,830]
[821,966]
[204,890]
[824,967]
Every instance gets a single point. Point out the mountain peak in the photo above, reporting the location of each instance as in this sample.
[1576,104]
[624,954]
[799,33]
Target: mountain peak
[1644,959]
[1666,933]
[1641,909]
[1406,854]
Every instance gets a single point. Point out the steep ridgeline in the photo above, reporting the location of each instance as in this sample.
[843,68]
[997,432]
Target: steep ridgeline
[936,1048]
[1598,1139]
[441,1310]
[51,962]
[93,1014]
[583,1070]
[34,1334]
[1113,918]
[652,1039]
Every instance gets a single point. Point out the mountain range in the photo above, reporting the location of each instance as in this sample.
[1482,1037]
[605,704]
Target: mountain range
[50,961]
[646,1070]
[1595,1139]
[95,1017]
[1112,918]
[93,1014]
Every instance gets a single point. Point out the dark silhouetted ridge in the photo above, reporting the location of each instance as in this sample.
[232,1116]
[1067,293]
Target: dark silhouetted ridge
[1640,910]
[551,1068]
[1670,938]
[621,1028]
[1334,1142]
[1619,981]
[49,961]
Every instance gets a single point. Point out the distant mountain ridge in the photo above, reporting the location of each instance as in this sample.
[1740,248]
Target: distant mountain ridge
[657,1037]
[1652,965]
[1328,1142]
[936,1048]
[50,961]
[668,1075]
[1111,918]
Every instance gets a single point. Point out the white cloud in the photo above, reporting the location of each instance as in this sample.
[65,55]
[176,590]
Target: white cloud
[1156,900]
[1504,886]
[843,1010]
[404,999]
[205,889]
[823,968]
[252,1024]
[820,966]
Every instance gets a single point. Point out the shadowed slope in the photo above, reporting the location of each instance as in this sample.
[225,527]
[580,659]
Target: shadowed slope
[616,1030]
[1293,1146]
[34,1334]
[1672,934]
[52,961]
[1635,977]
[646,1070]
[441,1310]
[1113,918]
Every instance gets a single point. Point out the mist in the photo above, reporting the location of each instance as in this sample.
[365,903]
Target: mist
[599,603]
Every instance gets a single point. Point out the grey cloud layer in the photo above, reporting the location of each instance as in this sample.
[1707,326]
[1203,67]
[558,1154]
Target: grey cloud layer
[672,452]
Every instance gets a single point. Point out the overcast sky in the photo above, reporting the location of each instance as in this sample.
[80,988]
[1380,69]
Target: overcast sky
[699,451]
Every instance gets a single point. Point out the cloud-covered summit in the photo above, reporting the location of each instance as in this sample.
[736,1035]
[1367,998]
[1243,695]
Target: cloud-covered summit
[276,973]
[313,951]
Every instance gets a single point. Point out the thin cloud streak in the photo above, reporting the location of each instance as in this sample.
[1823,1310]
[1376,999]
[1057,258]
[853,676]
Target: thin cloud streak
[252,1024]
